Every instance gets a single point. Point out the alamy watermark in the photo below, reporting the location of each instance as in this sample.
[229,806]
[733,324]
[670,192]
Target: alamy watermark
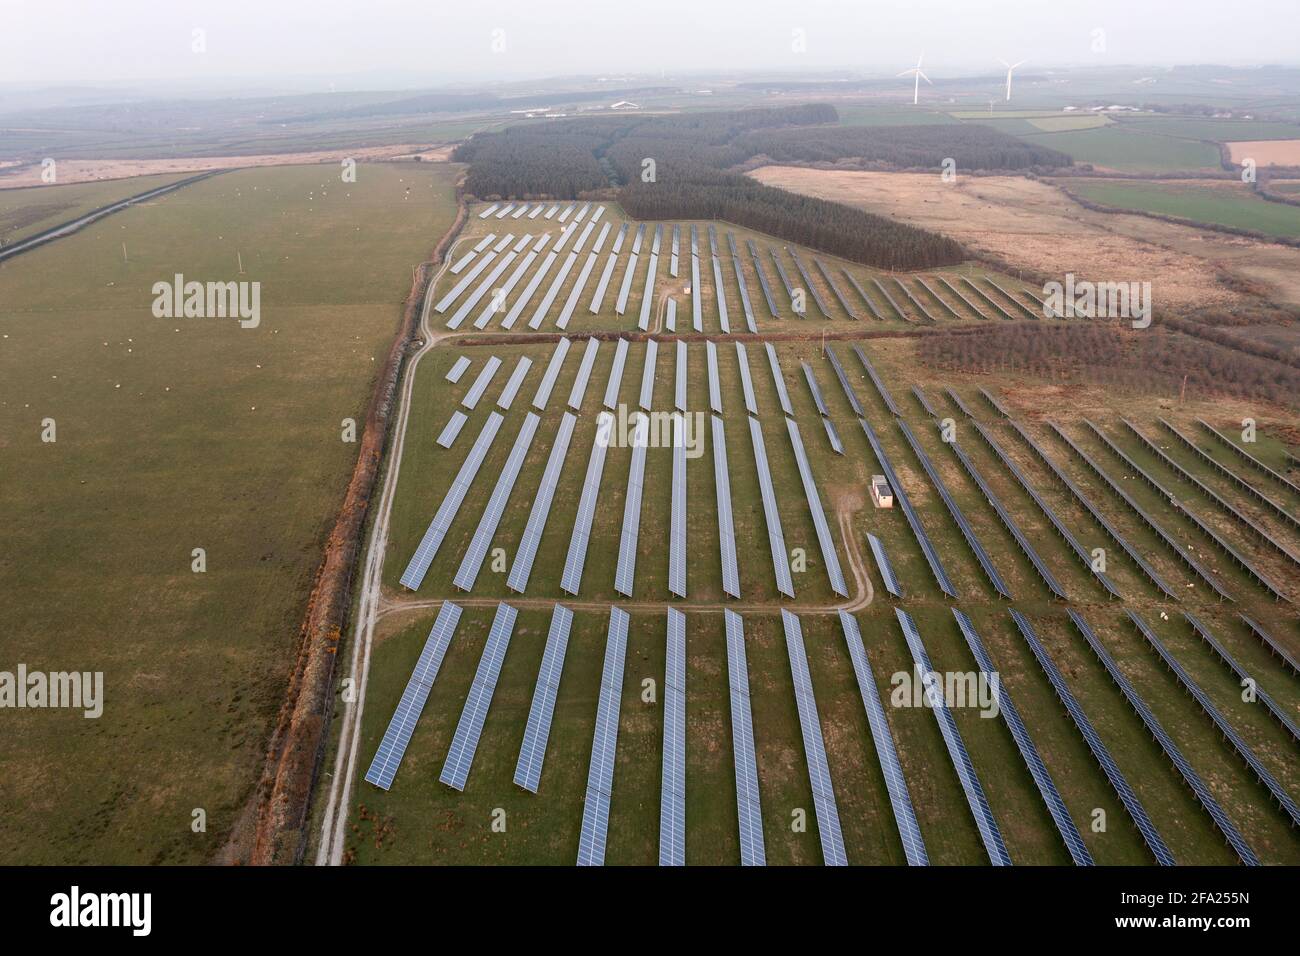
[21,689]
[639,429]
[208,300]
[918,688]
[1082,299]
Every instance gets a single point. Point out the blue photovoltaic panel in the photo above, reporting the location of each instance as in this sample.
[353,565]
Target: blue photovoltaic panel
[835,289]
[875,380]
[679,392]
[481,383]
[648,374]
[463,310]
[1025,744]
[464,742]
[457,370]
[776,540]
[726,522]
[970,782]
[824,539]
[925,402]
[528,771]
[778,379]
[445,302]
[523,564]
[522,300]
[625,571]
[909,831]
[746,383]
[571,302]
[599,297]
[472,562]
[748,806]
[1150,836]
[512,386]
[398,735]
[1157,731]
[819,771]
[548,299]
[584,373]
[960,403]
[677,523]
[813,387]
[600,776]
[1271,643]
[625,289]
[715,388]
[571,579]
[1279,713]
[833,436]
[616,374]
[849,393]
[885,566]
[552,372]
[672,807]
[648,296]
[452,428]
[446,514]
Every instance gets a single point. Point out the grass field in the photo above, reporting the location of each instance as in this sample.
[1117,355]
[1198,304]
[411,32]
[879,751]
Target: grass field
[1223,204]
[25,212]
[175,434]
[1115,147]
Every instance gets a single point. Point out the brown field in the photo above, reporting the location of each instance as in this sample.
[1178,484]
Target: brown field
[1034,226]
[1267,152]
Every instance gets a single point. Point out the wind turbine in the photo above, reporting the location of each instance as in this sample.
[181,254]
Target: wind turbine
[1010,67]
[916,71]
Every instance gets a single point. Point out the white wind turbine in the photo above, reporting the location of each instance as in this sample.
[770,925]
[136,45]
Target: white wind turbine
[1010,67]
[916,71]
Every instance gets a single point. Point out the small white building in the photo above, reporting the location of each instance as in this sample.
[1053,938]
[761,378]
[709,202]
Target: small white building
[881,493]
[624,105]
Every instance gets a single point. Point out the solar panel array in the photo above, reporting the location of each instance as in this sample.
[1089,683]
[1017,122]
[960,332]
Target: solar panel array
[600,775]
[447,437]
[648,373]
[1271,643]
[458,369]
[746,383]
[800,310]
[921,309]
[1024,743]
[900,799]
[579,389]
[958,517]
[778,379]
[571,303]
[472,561]
[1157,731]
[496,303]
[808,282]
[835,289]
[670,315]
[402,724]
[464,742]
[824,538]
[890,299]
[970,782]
[537,731]
[875,380]
[749,809]
[741,285]
[522,300]
[924,402]
[648,297]
[813,387]
[481,382]
[726,521]
[984,297]
[885,565]
[512,385]
[677,245]
[539,314]
[616,374]
[762,278]
[715,387]
[446,514]
[1146,828]
[833,436]
[453,294]
[679,383]
[552,372]
[489,210]
[501,213]
[961,405]
[672,809]
[625,572]
[849,393]
[776,539]
[677,522]
[997,406]
[571,579]
[625,288]
[484,287]
[862,293]
[1029,313]
[719,289]
[961,295]
[819,771]
[935,296]
[598,297]
[522,567]
[1279,713]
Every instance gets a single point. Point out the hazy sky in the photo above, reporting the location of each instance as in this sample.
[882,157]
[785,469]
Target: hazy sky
[57,42]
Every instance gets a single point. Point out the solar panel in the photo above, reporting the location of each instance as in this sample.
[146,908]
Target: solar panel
[449,431]
[961,762]
[746,383]
[1279,713]
[621,305]
[552,291]
[599,297]
[600,776]
[582,212]
[458,369]
[913,520]
[1157,731]
[679,393]
[875,380]
[501,213]
[959,294]
[552,372]
[677,522]
[618,240]
[778,379]
[516,379]
[616,374]
[992,400]
[961,405]
[670,316]
[742,286]
[625,571]
[602,236]
[916,304]
[924,402]
[672,808]
[844,382]
[958,517]
[522,567]
[446,514]
[595,216]
[677,241]
[648,373]
[884,565]
[935,296]
[637,240]
[835,290]
[579,389]
[464,742]
[537,210]
[748,805]
[800,311]
[582,238]
[485,242]
[496,303]
[402,724]
[726,522]
[824,539]
[715,388]
[571,579]
[481,383]
[552,211]
[528,771]
[523,208]
[1271,643]
[900,799]
[833,436]
[466,259]
[983,297]
[819,772]
[880,287]
[503,242]
[866,299]
[522,300]
[445,302]
[568,211]
[762,278]
[720,293]
[571,302]
[489,210]
[697,313]
[1024,743]
[472,561]
[808,282]
[1146,828]
[813,387]
[1030,313]
[647,297]
[776,540]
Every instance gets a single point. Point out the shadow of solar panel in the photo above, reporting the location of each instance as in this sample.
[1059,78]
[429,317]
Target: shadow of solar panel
[600,775]
[402,724]
[532,754]
[748,805]
[579,390]
[776,539]
[825,541]
[571,579]
[472,561]
[464,742]
[523,564]
[672,808]
[447,437]
[952,739]
[900,799]
[884,565]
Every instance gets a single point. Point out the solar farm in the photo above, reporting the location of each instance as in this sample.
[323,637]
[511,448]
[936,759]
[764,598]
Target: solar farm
[639,606]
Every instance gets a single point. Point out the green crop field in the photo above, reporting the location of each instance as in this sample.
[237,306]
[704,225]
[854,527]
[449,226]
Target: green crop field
[1215,203]
[25,212]
[1115,147]
[172,435]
